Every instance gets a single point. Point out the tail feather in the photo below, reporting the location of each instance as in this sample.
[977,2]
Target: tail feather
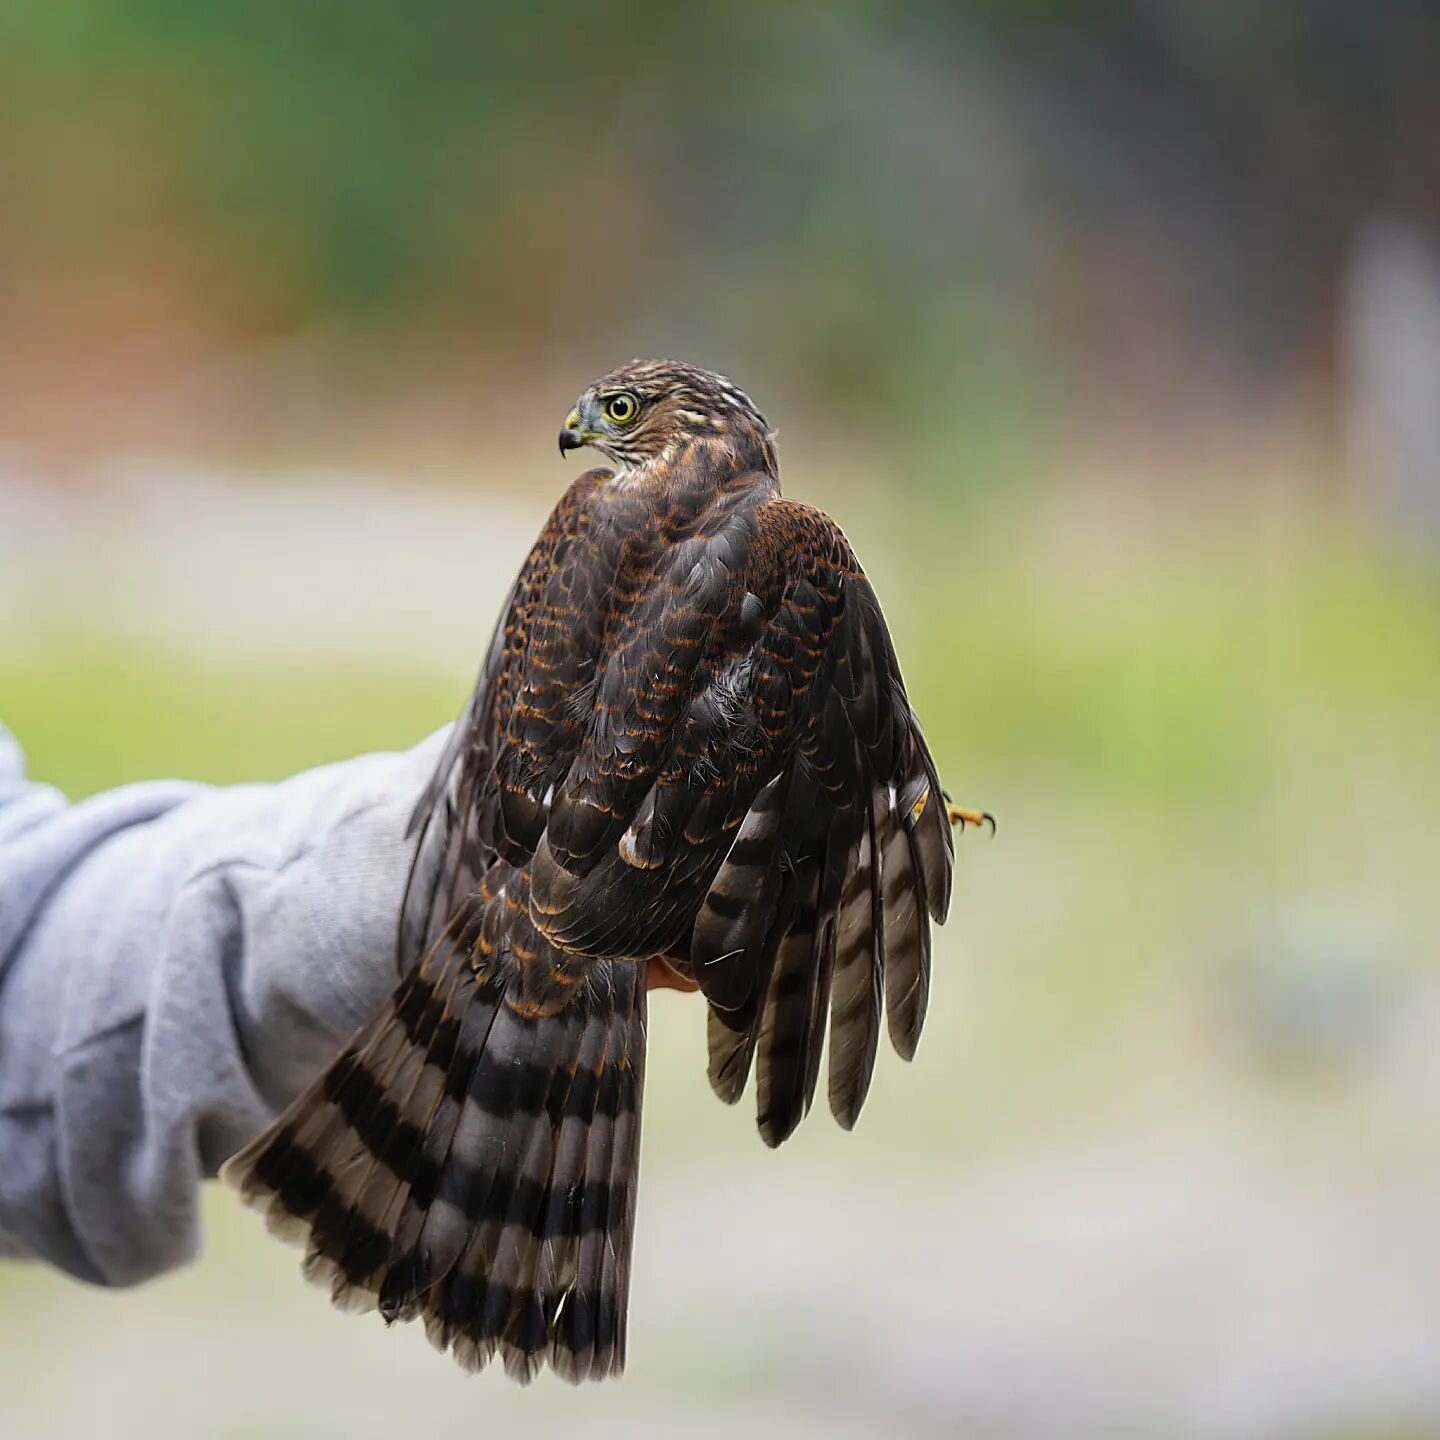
[284,1182]
[495,1211]
[620,1197]
[502,1103]
[511,1308]
[578,1320]
[470,1160]
[422,1163]
[391,1155]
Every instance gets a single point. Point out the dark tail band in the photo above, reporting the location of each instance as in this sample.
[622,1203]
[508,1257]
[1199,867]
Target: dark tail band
[471,1163]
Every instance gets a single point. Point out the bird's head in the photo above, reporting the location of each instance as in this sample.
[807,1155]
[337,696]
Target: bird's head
[651,410]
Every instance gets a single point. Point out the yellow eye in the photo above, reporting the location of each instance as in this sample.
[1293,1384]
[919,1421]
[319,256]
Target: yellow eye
[622,408]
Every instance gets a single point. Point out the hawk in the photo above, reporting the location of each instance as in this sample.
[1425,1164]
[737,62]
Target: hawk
[690,746]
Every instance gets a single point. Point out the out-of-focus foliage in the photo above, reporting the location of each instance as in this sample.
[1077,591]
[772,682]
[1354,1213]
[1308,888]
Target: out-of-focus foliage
[936,210]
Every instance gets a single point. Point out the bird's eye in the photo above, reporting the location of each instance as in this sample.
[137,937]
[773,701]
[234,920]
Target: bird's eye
[622,408]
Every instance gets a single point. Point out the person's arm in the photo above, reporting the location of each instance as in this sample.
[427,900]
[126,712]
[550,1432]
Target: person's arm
[176,963]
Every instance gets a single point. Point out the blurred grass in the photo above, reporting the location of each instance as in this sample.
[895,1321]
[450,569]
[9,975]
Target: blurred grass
[96,712]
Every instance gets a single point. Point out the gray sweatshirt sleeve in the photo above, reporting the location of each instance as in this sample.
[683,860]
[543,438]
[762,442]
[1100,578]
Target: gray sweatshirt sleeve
[176,963]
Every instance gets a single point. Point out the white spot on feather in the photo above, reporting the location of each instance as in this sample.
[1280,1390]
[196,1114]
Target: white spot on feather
[629,849]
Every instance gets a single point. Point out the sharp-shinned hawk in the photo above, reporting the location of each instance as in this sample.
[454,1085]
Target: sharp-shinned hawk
[690,744]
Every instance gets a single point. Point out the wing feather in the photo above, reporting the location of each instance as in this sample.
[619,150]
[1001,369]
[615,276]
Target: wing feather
[869,842]
[683,724]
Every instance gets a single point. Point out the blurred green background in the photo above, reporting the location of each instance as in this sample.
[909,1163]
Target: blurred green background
[1111,334]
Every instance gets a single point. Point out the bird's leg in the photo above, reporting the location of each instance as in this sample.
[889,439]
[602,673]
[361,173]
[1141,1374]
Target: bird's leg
[956,816]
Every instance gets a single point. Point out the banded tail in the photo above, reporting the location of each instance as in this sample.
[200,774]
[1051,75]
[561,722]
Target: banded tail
[470,1159]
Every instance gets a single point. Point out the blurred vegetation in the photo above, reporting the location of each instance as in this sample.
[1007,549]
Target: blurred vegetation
[948,212]
[95,712]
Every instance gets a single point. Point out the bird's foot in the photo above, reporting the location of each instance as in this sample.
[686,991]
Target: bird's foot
[957,816]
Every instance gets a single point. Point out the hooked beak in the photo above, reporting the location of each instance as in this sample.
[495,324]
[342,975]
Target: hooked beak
[572,437]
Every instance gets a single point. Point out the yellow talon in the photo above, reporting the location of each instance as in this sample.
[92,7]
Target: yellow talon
[956,816]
